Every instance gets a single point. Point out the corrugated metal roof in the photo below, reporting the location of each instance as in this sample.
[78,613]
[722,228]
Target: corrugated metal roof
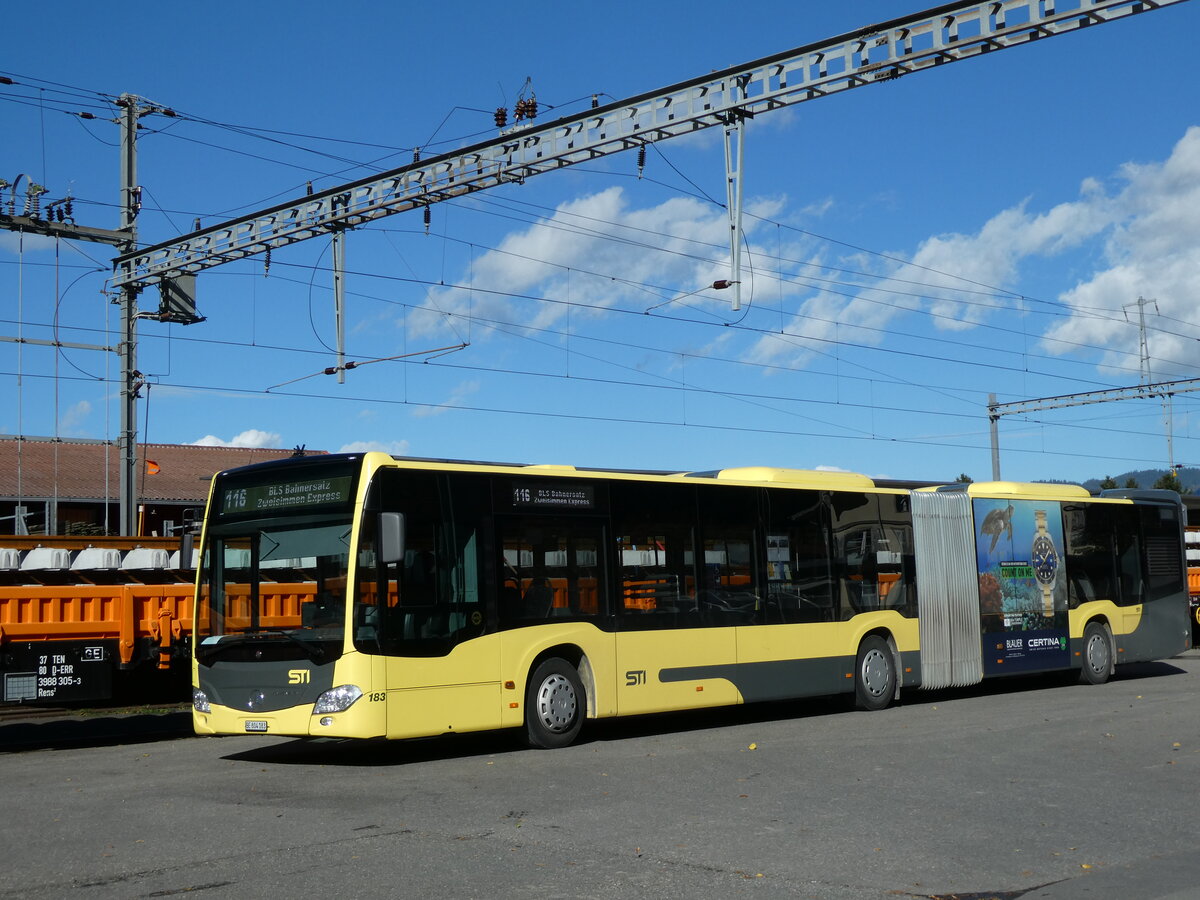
[32,468]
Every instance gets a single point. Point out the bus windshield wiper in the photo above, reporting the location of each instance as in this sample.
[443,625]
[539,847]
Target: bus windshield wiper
[315,651]
[225,642]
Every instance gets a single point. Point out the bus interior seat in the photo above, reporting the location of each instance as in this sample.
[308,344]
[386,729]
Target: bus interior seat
[538,599]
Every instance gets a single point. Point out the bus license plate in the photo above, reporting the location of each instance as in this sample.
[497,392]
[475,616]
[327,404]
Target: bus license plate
[256,725]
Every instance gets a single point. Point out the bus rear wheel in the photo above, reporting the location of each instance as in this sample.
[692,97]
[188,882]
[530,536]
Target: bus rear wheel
[1097,654]
[554,705]
[874,674]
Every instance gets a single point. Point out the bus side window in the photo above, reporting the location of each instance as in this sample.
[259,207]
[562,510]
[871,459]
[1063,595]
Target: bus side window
[429,601]
[1162,539]
[1090,533]
[549,569]
[729,590]
[873,553]
[860,579]
[797,553]
[1128,547]
[894,555]
[653,527]
[728,594]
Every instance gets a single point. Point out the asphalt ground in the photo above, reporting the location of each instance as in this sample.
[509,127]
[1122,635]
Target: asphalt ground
[31,728]
[1014,789]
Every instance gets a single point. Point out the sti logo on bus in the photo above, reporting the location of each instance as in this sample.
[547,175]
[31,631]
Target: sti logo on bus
[298,676]
[635,677]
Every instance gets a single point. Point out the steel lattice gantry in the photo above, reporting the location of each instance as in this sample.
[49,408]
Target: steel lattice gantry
[1161,390]
[871,54]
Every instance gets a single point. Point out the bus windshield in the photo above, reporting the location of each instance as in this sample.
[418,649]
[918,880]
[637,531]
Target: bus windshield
[274,589]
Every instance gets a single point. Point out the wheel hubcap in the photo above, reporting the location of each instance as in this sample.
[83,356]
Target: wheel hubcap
[1097,654]
[875,673]
[556,703]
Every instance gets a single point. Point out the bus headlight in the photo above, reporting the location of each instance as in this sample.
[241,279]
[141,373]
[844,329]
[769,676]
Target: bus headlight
[200,701]
[338,699]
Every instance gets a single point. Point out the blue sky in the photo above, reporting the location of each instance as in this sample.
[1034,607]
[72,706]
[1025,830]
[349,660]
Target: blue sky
[912,246]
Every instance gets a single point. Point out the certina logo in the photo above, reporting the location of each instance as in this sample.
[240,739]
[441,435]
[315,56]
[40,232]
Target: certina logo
[298,676]
[1046,643]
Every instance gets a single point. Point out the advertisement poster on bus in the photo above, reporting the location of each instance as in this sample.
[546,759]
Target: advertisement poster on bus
[1022,590]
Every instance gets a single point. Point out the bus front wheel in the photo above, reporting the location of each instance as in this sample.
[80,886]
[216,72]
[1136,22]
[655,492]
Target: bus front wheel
[554,705]
[874,674]
[1097,654]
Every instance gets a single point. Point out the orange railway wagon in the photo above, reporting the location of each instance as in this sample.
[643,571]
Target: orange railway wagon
[1194,599]
[1192,540]
[62,643]
[76,611]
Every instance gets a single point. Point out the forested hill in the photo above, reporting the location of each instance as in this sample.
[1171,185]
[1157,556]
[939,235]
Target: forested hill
[1145,478]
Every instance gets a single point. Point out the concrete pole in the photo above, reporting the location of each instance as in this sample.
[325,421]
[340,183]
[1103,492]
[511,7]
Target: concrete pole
[127,349]
[993,419]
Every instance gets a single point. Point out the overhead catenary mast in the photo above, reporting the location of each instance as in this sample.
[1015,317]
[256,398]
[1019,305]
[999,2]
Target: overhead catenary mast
[125,239]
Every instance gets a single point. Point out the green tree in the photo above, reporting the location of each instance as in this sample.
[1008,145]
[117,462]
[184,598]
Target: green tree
[964,478]
[1170,482]
[1131,483]
[1108,484]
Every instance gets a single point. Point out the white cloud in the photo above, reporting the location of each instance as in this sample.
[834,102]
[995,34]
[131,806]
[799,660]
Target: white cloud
[72,420]
[680,242]
[992,256]
[817,209]
[1150,227]
[396,448]
[252,437]
[1150,253]
[17,243]
[456,398]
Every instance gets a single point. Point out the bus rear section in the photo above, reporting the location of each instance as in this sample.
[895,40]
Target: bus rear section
[1048,578]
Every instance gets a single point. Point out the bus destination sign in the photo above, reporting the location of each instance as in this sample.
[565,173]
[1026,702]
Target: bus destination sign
[287,495]
[573,496]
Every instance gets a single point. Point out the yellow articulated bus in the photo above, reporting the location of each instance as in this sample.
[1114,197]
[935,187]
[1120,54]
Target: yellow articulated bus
[364,596]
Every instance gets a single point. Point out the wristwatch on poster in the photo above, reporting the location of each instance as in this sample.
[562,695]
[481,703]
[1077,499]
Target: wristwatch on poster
[1044,559]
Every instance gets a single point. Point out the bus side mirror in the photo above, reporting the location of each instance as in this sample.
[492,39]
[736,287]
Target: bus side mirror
[391,537]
